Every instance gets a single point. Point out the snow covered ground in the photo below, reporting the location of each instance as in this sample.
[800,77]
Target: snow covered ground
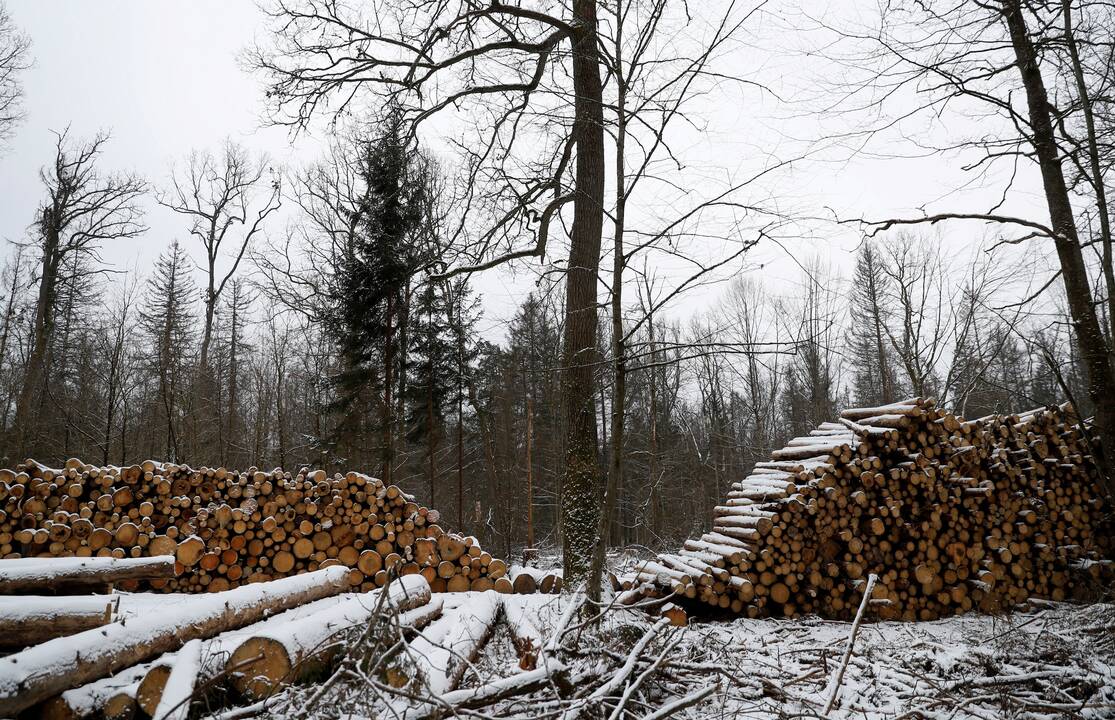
[1049,661]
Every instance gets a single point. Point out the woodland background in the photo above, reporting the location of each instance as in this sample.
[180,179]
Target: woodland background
[305,315]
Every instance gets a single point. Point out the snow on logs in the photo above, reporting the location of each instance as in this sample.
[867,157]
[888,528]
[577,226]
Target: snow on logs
[950,514]
[32,619]
[24,575]
[268,657]
[40,672]
[174,528]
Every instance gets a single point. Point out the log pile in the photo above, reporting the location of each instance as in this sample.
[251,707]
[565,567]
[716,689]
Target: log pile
[226,528]
[950,514]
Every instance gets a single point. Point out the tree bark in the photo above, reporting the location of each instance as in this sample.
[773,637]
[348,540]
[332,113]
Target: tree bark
[1094,164]
[619,347]
[581,486]
[42,329]
[1074,271]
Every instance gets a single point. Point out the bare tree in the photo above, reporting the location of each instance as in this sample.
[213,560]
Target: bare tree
[15,58]
[226,200]
[84,208]
[868,335]
[119,372]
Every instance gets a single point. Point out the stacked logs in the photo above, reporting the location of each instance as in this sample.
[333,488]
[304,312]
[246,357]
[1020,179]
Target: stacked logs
[227,528]
[950,514]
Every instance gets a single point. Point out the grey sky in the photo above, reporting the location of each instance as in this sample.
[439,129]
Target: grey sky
[162,77]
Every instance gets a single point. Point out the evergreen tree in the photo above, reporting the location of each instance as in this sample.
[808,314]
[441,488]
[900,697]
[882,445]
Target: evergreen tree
[370,277]
[431,382]
[869,347]
[465,314]
[168,322]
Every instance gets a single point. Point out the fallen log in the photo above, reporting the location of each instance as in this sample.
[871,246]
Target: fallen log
[442,653]
[35,674]
[91,699]
[29,575]
[216,650]
[30,620]
[519,614]
[268,659]
[518,684]
[175,702]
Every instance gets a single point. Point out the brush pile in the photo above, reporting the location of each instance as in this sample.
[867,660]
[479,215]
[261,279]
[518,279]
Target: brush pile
[950,514]
[226,528]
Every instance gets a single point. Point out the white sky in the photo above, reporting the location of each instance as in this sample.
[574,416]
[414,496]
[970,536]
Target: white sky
[162,77]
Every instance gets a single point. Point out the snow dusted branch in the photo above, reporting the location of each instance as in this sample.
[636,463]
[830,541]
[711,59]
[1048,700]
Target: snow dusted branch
[834,688]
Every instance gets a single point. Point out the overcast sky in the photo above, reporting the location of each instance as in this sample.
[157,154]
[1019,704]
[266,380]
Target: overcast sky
[163,78]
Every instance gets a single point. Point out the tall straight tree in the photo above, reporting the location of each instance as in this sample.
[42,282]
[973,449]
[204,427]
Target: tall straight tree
[83,209]
[1000,59]
[432,56]
[226,200]
[874,380]
[431,382]
[168,323]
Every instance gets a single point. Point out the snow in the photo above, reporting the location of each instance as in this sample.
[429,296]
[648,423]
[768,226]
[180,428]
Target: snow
[23,608]
[308,633]
[29,675]
[45,569]
[88,699]
[175,702]
[956,668]
[537,573]
[442,649]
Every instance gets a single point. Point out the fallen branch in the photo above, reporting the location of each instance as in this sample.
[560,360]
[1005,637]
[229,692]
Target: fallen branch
[834,688]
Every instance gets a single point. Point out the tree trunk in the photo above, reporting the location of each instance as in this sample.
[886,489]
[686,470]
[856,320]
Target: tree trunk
[1089,336]
[26,413]
[388,402]
[654,500]
[1094,164]
[619,347]
[48,669]
[530,471]
[581,487]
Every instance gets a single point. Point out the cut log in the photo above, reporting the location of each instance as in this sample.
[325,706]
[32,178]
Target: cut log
[449,645]
[29,575]
[30,620]
[305,644]
[35,674]
[520,614]
[216,650]
[179,689]
[90,699]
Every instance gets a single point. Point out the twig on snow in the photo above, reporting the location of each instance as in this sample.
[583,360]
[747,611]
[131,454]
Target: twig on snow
[834,689]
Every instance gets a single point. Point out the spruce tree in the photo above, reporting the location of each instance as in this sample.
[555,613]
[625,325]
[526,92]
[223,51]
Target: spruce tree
[369,280]
[168,322]
[869,346]
[431,383]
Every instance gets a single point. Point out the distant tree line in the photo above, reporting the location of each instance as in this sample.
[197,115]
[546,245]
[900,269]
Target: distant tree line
[334,342]
[350,337]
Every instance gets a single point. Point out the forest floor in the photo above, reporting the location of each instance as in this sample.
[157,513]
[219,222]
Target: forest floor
[1051,660]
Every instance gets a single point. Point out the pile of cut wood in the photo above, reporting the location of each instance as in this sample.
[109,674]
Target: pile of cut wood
[950,514]
[226,528]
[114,656]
